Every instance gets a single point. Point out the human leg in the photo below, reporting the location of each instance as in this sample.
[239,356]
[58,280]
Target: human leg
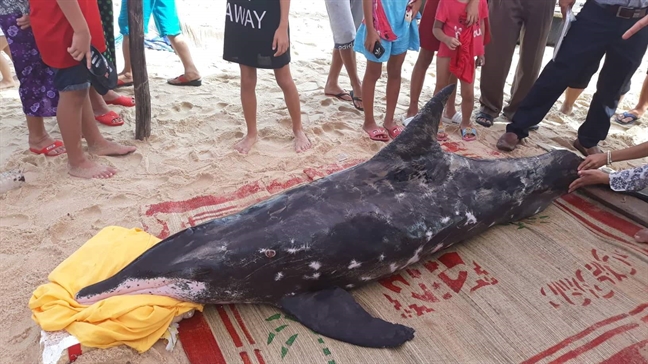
[538,15]
[5,70]
[584,44]
[442,80]
[468,133]
[249,104]
[101,111]
[421,66]
[577,86]
[639,110]
[622,59]
[125,77]
[291,95]
[505,22]
[394,68]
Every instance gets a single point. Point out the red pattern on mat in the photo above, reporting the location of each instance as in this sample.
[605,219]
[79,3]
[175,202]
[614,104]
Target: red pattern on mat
[200,344]
[608,333]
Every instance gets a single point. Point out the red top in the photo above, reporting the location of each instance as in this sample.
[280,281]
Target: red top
[53,32]
[452,14]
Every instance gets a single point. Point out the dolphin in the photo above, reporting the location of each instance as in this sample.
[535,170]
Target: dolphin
[303,249]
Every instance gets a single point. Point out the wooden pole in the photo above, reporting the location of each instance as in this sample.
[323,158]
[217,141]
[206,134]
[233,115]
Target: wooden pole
[140,74]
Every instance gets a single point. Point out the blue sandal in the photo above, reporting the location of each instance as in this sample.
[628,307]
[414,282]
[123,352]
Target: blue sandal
[466,132]
[626,115]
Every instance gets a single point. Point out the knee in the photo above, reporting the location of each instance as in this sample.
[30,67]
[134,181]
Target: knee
[394,74]
[372,72]
[248,81]
[285,81]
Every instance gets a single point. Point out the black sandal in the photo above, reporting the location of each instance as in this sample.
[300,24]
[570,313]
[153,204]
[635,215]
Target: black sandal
[354,101]
[484,119]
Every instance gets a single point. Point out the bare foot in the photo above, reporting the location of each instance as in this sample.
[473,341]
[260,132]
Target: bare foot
[7,83]
[89,169]
[108,148]
[302,143]
[642,236]
[567,109]
[125,77]
[245,144]
[337,91]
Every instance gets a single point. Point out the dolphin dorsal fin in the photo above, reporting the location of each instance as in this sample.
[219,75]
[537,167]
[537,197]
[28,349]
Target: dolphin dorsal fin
[419,137]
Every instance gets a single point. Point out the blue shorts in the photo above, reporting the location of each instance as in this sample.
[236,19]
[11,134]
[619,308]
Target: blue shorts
[165,15]
[75,78]
[408,41]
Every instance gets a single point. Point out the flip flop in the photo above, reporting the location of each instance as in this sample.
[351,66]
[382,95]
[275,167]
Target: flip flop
[626,115]
[110,118]
[395,131]
[341,95]
[456,118]
[121,83]
[407,120]
[484,119]
[379,134]
[466,132]
[183,81]
[50,150]
[354,101]
[122,101]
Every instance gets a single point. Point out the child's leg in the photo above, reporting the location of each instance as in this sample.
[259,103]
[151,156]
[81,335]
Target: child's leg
[287,84]
[182,49]
[249,103]
[332,86]
[371,76]
[423,62]
[394,67]
[96,143]
[5,69]
[69,117]
[443,79]
[450,107]
[467,104]
[126,75]
[571,95]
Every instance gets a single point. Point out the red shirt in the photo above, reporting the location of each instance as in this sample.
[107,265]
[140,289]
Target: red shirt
[53,32]
[452,14]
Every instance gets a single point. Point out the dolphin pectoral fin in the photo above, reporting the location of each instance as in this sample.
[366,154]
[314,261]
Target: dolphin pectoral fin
[335,313]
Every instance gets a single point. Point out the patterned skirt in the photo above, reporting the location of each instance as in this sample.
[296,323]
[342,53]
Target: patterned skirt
[37,92]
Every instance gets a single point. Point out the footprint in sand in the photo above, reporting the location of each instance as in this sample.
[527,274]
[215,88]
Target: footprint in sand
[14,220]
[327,101]
[204,182]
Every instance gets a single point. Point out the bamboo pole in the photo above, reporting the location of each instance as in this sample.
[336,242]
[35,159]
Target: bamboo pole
[140,74]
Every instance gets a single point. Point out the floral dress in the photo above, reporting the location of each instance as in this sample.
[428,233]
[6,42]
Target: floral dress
[37,92]
[635,179]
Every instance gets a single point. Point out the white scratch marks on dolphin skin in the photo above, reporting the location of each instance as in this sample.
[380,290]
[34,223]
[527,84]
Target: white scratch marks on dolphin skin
[445,220]
[381,257]
[315,276]
[471,219]
[349,286]
[437,248]
[428,235]
[366,278]
[315,265]
[393,267]
[354,264]
[278,276]
[222,248]
[538,210]
[298,249]
[415,258]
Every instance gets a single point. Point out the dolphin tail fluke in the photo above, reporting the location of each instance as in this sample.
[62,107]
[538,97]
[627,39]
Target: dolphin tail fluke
[335,314]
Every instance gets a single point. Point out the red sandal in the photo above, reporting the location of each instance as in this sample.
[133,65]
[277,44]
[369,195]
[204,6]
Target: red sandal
[122,101]
[110,118]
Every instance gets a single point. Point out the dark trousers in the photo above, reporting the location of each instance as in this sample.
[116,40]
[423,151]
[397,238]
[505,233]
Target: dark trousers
[596,32]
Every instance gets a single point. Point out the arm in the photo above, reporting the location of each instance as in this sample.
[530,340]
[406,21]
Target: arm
[280,43]
[73,14]
[481,60]
[80,46]
[472,11]
[438,31]
[285,10]
[600,159]
[372,34]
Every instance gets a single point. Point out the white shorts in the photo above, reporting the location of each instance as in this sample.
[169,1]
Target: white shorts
[345,17]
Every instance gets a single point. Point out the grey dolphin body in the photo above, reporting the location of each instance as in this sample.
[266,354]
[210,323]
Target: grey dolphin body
[302,249]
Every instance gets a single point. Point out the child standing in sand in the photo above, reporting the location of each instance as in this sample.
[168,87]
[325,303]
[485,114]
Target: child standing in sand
[257,36]
[461,49]
[64,31]
[387,33]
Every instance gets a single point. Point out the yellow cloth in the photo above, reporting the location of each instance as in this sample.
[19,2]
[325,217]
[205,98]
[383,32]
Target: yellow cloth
[137,321]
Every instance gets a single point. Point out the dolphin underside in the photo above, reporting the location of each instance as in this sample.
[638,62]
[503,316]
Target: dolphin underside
[326,307]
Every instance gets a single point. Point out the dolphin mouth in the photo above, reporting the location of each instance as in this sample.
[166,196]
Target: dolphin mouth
[180,289]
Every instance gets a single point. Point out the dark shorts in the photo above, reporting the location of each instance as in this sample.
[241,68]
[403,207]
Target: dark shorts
[72,79]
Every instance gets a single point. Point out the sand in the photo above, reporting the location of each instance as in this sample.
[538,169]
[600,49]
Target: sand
[190,154]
